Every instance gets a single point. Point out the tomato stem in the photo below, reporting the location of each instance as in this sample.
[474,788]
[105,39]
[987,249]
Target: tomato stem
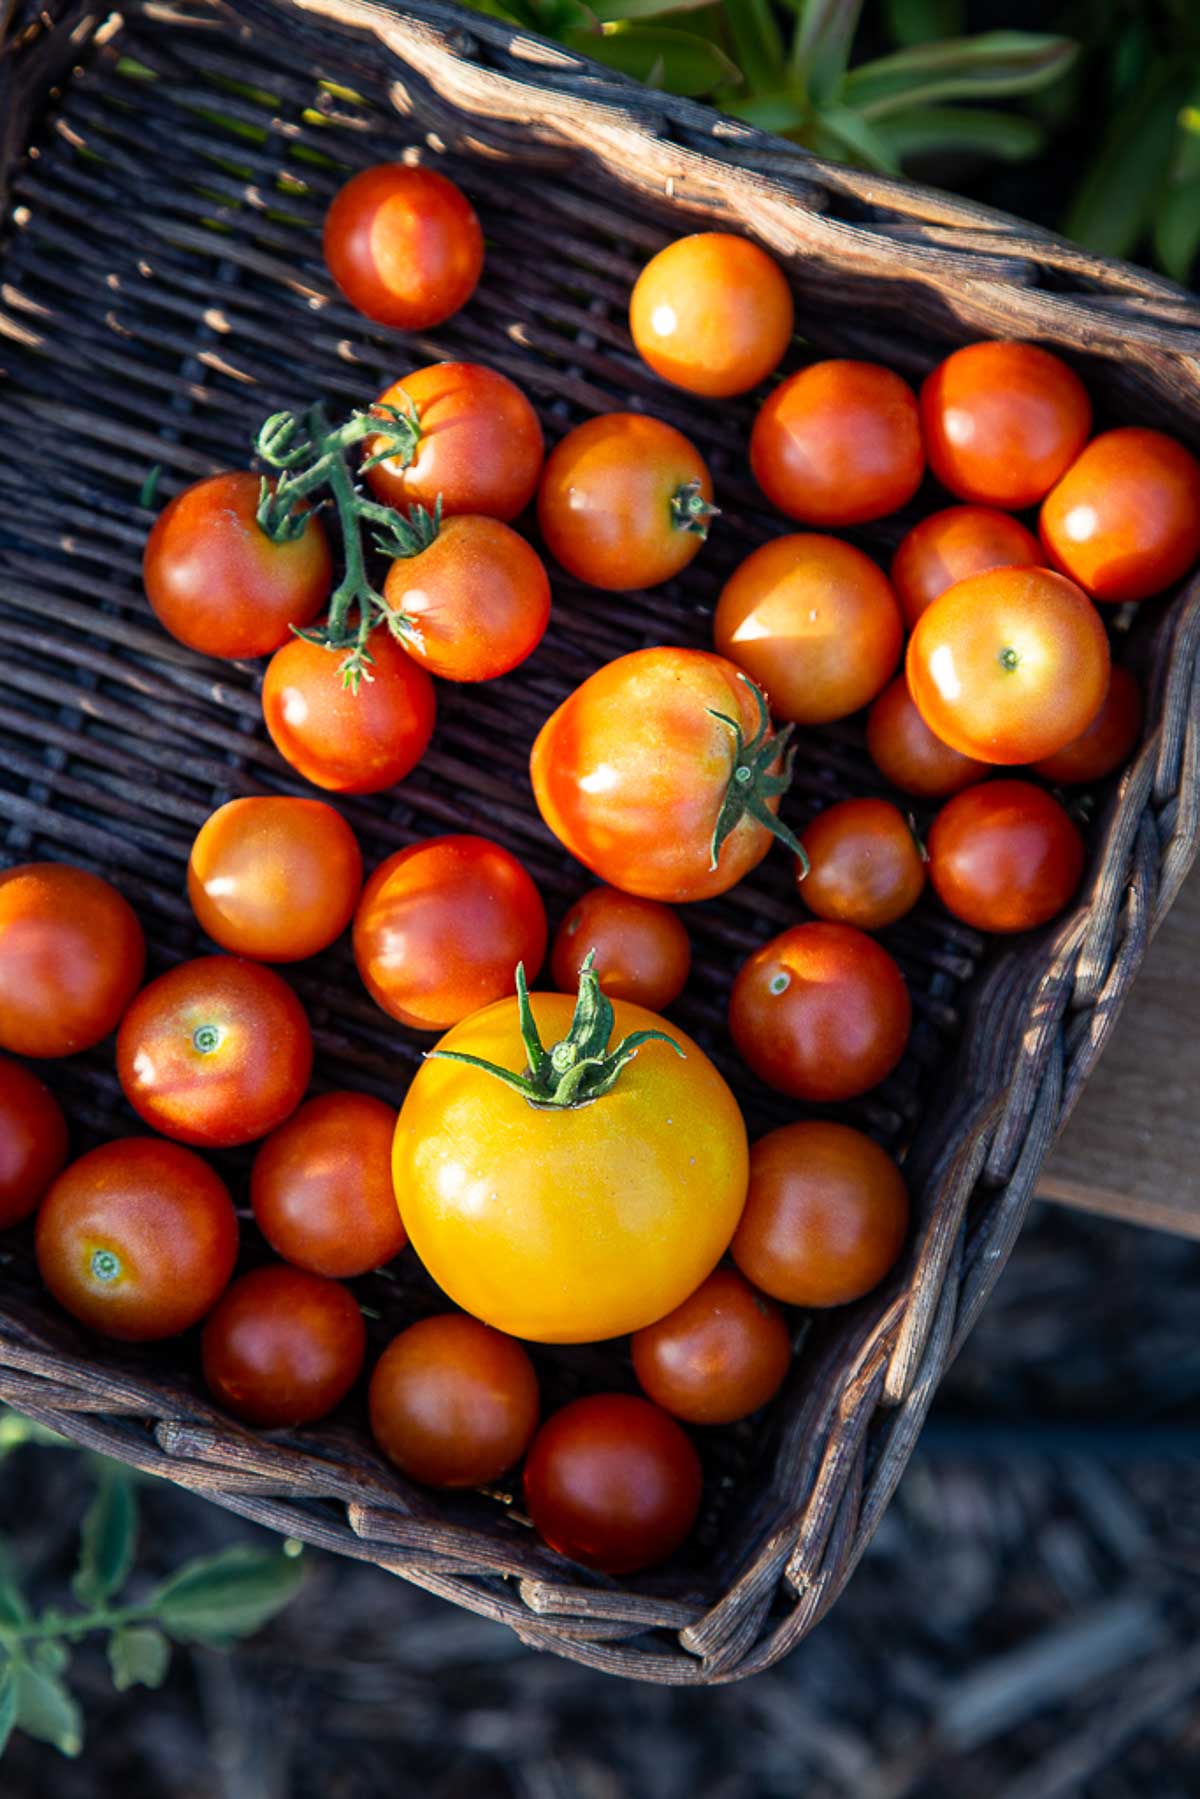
[752,785]
[690,511]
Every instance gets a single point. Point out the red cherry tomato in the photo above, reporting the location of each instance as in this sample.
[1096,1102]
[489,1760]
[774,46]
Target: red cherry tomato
[72,957]
[711,313]
[1108,741]
[838,443]
[479,444]
[283,1347]
[1002,422]
[348,742]
[716,1358]
[948,546]
[1005,856]
[321,1186]
[641,948]
[474,604]
[1124,520]
[272,878]
[864,864]
[404,245]
[33,1141]
[906,752]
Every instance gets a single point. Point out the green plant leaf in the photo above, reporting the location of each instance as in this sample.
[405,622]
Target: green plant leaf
[608,11]
[138,1655]
[1177,229]
[107,1539]
[47,1711]
[757,46]
[13,1610]
[679,61]
[51,1657]
[986,67]
[846,136]
[226,1596]
[821,46]
[16,1432]
[8,1703]
[773,112]
[961,130]
[924,21]
[1122,189]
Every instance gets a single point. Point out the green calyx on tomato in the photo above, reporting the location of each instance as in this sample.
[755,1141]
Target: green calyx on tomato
[105,1265]
[690,511]
[752,784]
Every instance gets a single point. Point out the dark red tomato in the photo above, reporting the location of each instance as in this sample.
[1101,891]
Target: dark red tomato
[1005,857]
[718,1357]
[826,1215]
[72,957]
[138,1239]
[838,443]
[821,1012]
[906,752]
[404,245]
[321,1186]
[283,1347]
[453,1402]
[864,864]
[348,742]
[612,1482]
[711,313]
[1124,521]
[641,948]
[33,1141]
[479,447]
[215,1052]
[948,546]
[218,583]
[474,604]
[1108,741]
[273,878]
[1002,422]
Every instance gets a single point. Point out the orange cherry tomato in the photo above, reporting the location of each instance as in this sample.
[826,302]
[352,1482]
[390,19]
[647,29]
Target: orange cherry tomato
[1009,666]
[321,1186]
[826,1215]
[906,752]
[1124,520]
[283,1347]
[33,1141]
[474,604]
[641,948]
[1002,422]
[716,1358]
[137,1239]
[72,957]
[343,741]
[1005,857]
[711,313]
[1108,741]
[815,622]
[838,443]
[404,245]
[864,864]
[272,878]
[479,445]
[948,546]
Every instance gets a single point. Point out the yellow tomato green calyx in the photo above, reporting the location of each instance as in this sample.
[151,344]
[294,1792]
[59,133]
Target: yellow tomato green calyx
[751,784]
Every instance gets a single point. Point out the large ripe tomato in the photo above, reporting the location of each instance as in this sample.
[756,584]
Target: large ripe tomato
[711,313]
[343,741]
[661,774]
[838,444]
[283,1347]
[1108,741]
[815,622]
[1009,666]
[1124,521]
[218,583]
[474,604]
[272,878]
[640,948]
[138,1238]
[864,864]
[404,245]
[321,1186]
[441,927]
[215,1052]
[1005,856]
[33,1141]
[906,752]
[1002,422]
[625,501]
[716,1358]
[479,444]
[948,546]
[72,955]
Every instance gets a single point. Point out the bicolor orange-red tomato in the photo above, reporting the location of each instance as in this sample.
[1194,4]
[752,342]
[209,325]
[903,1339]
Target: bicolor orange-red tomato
[950,545]
[283,1347]
[474,604]
[838,443]
[478,449]
[815,622]
[1005,857]
[72,955]
[625,501]
[1108,741]
[1124,520]
[1009,666]
[1002,422]
[321,1186]
[137,1238]
[864,864]
[404,245]
[273,878]
[716,1358]
[907,753]
[711,313]
[33,1141]
[343,741]
[640,948]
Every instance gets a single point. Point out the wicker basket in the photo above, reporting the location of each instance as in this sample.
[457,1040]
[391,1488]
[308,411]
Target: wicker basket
[166,171]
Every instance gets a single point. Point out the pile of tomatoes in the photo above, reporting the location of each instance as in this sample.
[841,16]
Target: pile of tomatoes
[568,1164]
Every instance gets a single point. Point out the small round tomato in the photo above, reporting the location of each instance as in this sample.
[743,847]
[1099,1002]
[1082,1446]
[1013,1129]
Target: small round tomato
[72,955]
[816,624]
[218,583]
[838,443]
[1005,857]
[1108,741]
[906,752]
[441,927]
[864,864]
[640,948]
[826,1215]
[1009,666]
[625,501]
[272,878]
[283,1347]
[321,1186]
[404,245]
[453,1402]
[711,313]
[474,604]
[821,1012]
[1124,521]
[137,1239]
[343,741]
[33,1141]
[215,1052]
[478,449]
[1002,422]
[948,546]
[716,1358]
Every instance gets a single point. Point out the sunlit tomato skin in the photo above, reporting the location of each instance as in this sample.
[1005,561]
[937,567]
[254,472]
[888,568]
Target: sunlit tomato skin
[622,501]
[474,604]
[815,622]
[838,443]
[821,1012]
[907,753]
[33,1141]
[613,1482]
[1005,857]
[453,1402]
[137,1239]
[711,313]
[480,448]
[1124,521]
[826,1216]
[864,864]
[342,741]
[1002,422]
[283,1347]
[215,1052]
[441,927]
[404,245]
[641,948]
[273,878]
[1009,666]
[321,1186]
[716,1358]
[72,955]
[1108,742]
[948,546]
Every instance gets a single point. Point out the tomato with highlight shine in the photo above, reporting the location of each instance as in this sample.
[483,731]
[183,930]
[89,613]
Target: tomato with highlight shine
[404,245]
[864,864]
[343,741]
[72,956]
[321,1186]
[1005,857]
[949,545]
[478,448]
[711,313]
[1124,521]
[718,1357]
[838,444]
[273,878]
[283,1347]
[1002,422]
[640,947]
[472,605]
